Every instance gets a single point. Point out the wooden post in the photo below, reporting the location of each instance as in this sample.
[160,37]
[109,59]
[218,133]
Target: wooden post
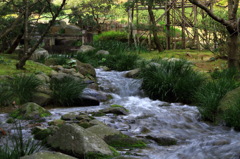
[167,10]
[196,36]
[183,26]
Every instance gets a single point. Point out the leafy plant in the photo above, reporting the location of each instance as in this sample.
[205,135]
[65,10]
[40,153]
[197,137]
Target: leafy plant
[174,81]
[23,86]
[66,89]
[18,146]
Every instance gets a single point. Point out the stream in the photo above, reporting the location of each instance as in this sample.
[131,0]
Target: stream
[195,139]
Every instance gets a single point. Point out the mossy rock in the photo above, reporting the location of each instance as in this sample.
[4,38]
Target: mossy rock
[116,109]
[30,111]
[123,141]
[229,100]
[57,122]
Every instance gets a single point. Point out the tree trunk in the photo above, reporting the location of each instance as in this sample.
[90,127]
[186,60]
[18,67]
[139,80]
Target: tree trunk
[15,43]
[233,52]
[154,26]
[25,57]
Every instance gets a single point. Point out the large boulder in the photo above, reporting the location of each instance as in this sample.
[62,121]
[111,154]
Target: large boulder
[100,96]
[43,77]
[41,98]
[48,155]
[103,130]
[30,111]
[228,100]
[85,69]
[115,110]
[39,53]
[85,48]
[74,139]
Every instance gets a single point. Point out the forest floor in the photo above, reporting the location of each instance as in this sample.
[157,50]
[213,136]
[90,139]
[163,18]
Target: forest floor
[203,60]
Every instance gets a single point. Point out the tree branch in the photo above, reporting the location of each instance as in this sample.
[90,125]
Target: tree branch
[212,15]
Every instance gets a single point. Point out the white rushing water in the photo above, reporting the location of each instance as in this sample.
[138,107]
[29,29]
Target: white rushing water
[196,139]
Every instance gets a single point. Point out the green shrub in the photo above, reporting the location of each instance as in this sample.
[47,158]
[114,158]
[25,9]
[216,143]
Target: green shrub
[171,81]
[91,58]
[17,146]
[112,35]
[66,89]
[23,87]
[210,94]
[121,62]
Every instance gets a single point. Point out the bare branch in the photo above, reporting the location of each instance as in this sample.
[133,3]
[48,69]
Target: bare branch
[211,14]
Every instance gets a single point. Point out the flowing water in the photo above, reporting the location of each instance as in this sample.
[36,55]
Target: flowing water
[195,139]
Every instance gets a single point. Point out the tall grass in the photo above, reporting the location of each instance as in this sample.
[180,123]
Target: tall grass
[22,87]
[171,81]
[66,90]
[17,147]
[6,95]
[210,94]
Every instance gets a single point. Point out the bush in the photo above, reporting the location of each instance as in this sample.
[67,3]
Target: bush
[112,35]
[22,87]
[171,81]
[121,62]
[66,89]
[210,94]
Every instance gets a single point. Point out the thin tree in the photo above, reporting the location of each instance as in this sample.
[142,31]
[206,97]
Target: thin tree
[28,53]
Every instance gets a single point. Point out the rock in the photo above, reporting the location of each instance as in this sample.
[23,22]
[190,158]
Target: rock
[85,48]
[74,139]
[124,141]
[43,77]
[41,98]
[39,53]
[85,100]
[103,130]
[162,141]
[100,96]
[102,52]
[115,110]
[57,67]
[72,30]
[228,100]
[79,75]
[44,88]
[133,73]
[70,71]
[85,69]
[30,111]
[69,116]
[48,155]
[57,122]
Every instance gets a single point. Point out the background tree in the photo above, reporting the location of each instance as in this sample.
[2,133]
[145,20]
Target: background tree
[232,26]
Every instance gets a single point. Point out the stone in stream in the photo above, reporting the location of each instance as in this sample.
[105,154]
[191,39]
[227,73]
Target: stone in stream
[162,141]
[48,155]
[30,111]
[74,139]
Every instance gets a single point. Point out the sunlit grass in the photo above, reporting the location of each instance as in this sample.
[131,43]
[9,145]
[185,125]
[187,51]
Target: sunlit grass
[8,66]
